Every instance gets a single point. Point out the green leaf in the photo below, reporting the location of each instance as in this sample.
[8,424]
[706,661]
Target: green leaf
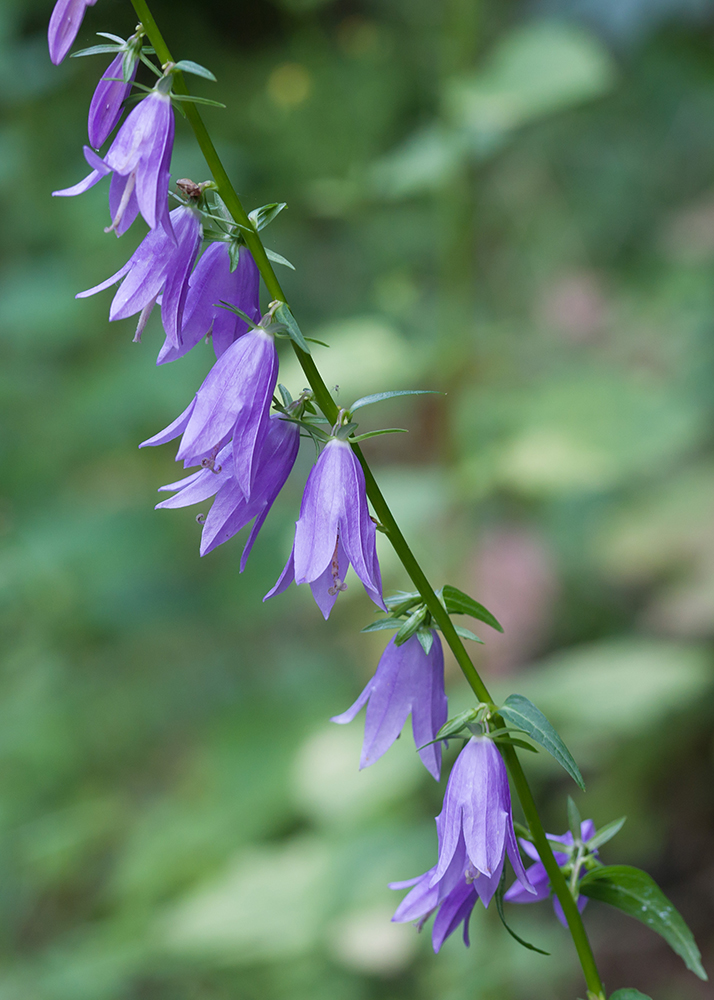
[574,819]
[234,249]
[466,633]
[383,623]
[372,434]
[402,599]
[314,340]
[454,726]
[606,833]
[95,50]
[523,714]
[637,894]
[377,397]
[410,626]
[114,38]
[499,907]
[284,394]
[629,994]
[263,216]
[512,741]
[188,66]
[283,315]
[278,258]
[459,603]
[239,312]
[190,99]
[426,639]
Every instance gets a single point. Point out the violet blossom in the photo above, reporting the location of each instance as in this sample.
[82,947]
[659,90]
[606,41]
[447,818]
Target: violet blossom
[139,159]
[231,511]
[538,876]
[159,264]
[106,106]
[211,283]
[334,530]
[65,22]
[233,402]
[407,680]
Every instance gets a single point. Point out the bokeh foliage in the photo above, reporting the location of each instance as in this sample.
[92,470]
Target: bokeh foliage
[509,202]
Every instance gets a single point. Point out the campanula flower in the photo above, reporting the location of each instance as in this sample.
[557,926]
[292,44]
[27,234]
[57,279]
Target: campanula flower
[211,283]
[407,680]
[158,265]
[139,158]
[231,511]
[65,22]
[538,876]
[106,106]
[334,530]
[233,402]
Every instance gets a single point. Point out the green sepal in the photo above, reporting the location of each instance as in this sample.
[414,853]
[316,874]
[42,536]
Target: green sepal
[114,38]
[234,248]
[606,833]
[344,431]
[239,312]
[415,620]
[512,741]
[426,639]
[383,623]
[402,600]
[575,821]
[459,603]
[629,994]
[96,50]
[498,896]
[385,430]
[283,315]
[377,397]
[523,714]
[278,258]
[190,99]
[314,340]
[284,395]
[188,66]
[637,894]
[263,216]
[452,727]
[466,633]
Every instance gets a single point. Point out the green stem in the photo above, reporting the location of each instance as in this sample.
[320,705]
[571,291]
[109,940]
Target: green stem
[381,508]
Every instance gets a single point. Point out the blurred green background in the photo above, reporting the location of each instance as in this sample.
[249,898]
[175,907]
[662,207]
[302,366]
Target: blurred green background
[511,202]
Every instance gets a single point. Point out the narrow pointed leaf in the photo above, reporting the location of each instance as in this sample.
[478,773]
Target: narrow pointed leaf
[466,633]
[459,603]
[383,623]
[95,50]
[513,742]
[377,397]
[410,626]
[263,216]
[629,994]
[188,66]
[606,833]
[283,315]
[372,434]
[190,99]
[574,819]
[499,907]
[637,894]
[426,639]
[278,258]
[523,714]
[453,726]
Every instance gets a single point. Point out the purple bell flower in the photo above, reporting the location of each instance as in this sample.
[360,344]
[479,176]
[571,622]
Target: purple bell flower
[65,22]
[231,511]
[407,680]
[139,158]
[159,264]
[334,530]
[233,402]
[106,105]
[211,283]
[538,876]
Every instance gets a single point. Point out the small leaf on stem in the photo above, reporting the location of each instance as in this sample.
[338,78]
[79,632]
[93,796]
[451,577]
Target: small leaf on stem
[523,714]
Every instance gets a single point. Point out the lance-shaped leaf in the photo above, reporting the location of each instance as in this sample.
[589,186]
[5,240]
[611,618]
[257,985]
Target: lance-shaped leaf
[189,66]
[263,216]
[636,893]
[459,722]
[383,623]
[283,315]
[499,906]
[629,994]
[377,397]
[426,639]
[606,833]
[277,258]
[466,633]
[459,603]
[523,714]
[413,623]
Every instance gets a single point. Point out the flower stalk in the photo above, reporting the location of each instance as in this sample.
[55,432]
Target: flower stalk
[388,523]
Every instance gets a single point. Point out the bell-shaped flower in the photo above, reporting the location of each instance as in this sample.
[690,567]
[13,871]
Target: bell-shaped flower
[334,530]
[407,680]
[65,22]
[231,511]
[211,283]
[233,402]
[538,876]
[477,813]
[139,158]
[106,105]
[158,265]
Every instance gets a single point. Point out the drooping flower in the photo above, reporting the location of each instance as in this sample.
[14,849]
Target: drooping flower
[231,511]
[477,813]
[139,158]
[407,680]
[65,22]
[475,829]
[538,876]
[159,264]
[334,530]
[106,106]
[211,283]
[233,402]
